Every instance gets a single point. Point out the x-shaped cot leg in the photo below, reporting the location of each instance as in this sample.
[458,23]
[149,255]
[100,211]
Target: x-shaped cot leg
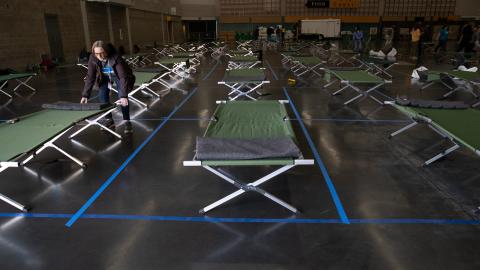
[96,122]
[20,83]
[248,187]
[51,144]
[1,91]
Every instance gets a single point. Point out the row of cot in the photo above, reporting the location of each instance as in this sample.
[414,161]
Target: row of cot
[455,121]
[22,138]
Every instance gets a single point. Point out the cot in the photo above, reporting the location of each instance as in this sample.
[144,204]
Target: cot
[240,61]
[304,64]
[4,79]
[29,135]
[376,65]
[453,81]
[353,78]
[248,133]
[243,82]
[454,121]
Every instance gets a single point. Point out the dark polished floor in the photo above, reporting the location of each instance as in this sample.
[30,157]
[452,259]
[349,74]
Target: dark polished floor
[390,211]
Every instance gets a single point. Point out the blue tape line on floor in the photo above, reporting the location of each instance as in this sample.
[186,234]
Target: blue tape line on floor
[273,72]
[210,72]
[321,165]
[125,163]
[393,221]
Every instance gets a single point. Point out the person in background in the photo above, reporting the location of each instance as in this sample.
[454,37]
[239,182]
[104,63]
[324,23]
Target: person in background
[121,50]
[476,39]
[256,33]
[416,34]
[136,49]
[270,32]
[465,41]
[357,40]
[278,33]
[442,39]
[106,67]
[83,55]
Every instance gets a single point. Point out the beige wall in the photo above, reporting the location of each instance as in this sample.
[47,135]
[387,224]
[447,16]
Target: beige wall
[146,27]
[196,8]
[160,6]
[23,36]
[97,22]
[468,8]
[119,27]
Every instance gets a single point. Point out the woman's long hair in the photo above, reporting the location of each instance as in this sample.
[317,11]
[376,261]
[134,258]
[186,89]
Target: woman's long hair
[107,47]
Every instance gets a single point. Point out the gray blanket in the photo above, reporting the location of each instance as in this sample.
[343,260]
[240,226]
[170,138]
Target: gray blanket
[246,149]
[433,104]
[72,106]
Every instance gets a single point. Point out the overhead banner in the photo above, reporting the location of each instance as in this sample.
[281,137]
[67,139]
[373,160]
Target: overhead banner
[344,3]
[317,4]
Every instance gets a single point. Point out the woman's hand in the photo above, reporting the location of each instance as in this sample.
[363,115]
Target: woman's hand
[123,102]
[84,100]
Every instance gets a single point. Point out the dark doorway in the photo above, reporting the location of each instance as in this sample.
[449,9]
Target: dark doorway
[201,30]
[54,37]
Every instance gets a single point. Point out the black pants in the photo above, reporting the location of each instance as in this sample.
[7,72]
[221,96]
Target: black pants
[104,97]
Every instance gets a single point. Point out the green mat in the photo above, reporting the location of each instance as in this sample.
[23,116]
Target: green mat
[250,120]
[34,129]
[356,76]
[308,60]
[244,75]
[172,60]
[465,75]
[241,58]
[462,125]
[143,77]
[15,76]
[182,54]
[239,52]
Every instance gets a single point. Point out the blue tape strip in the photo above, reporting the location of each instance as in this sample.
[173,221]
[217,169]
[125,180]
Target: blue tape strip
[125,163]
[249,220]
[210,72]
[320,163]
[384,95]
[273,72]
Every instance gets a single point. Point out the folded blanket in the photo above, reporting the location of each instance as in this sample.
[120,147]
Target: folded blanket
[434,104]
[72,106]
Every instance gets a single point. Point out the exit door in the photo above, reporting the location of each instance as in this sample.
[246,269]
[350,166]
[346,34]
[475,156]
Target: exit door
[54,37]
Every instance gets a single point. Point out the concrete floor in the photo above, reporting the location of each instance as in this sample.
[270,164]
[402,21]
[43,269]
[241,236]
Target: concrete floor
[402,215]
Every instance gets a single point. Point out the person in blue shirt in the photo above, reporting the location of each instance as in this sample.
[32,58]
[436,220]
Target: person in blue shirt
[357,40]
[442,39]
[106,68]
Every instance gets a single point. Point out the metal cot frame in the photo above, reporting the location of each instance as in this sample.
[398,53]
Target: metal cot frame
[252,186]
[351,84]
[16,77]
[50,143]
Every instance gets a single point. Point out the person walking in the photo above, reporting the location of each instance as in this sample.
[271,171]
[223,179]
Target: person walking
[357,40]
